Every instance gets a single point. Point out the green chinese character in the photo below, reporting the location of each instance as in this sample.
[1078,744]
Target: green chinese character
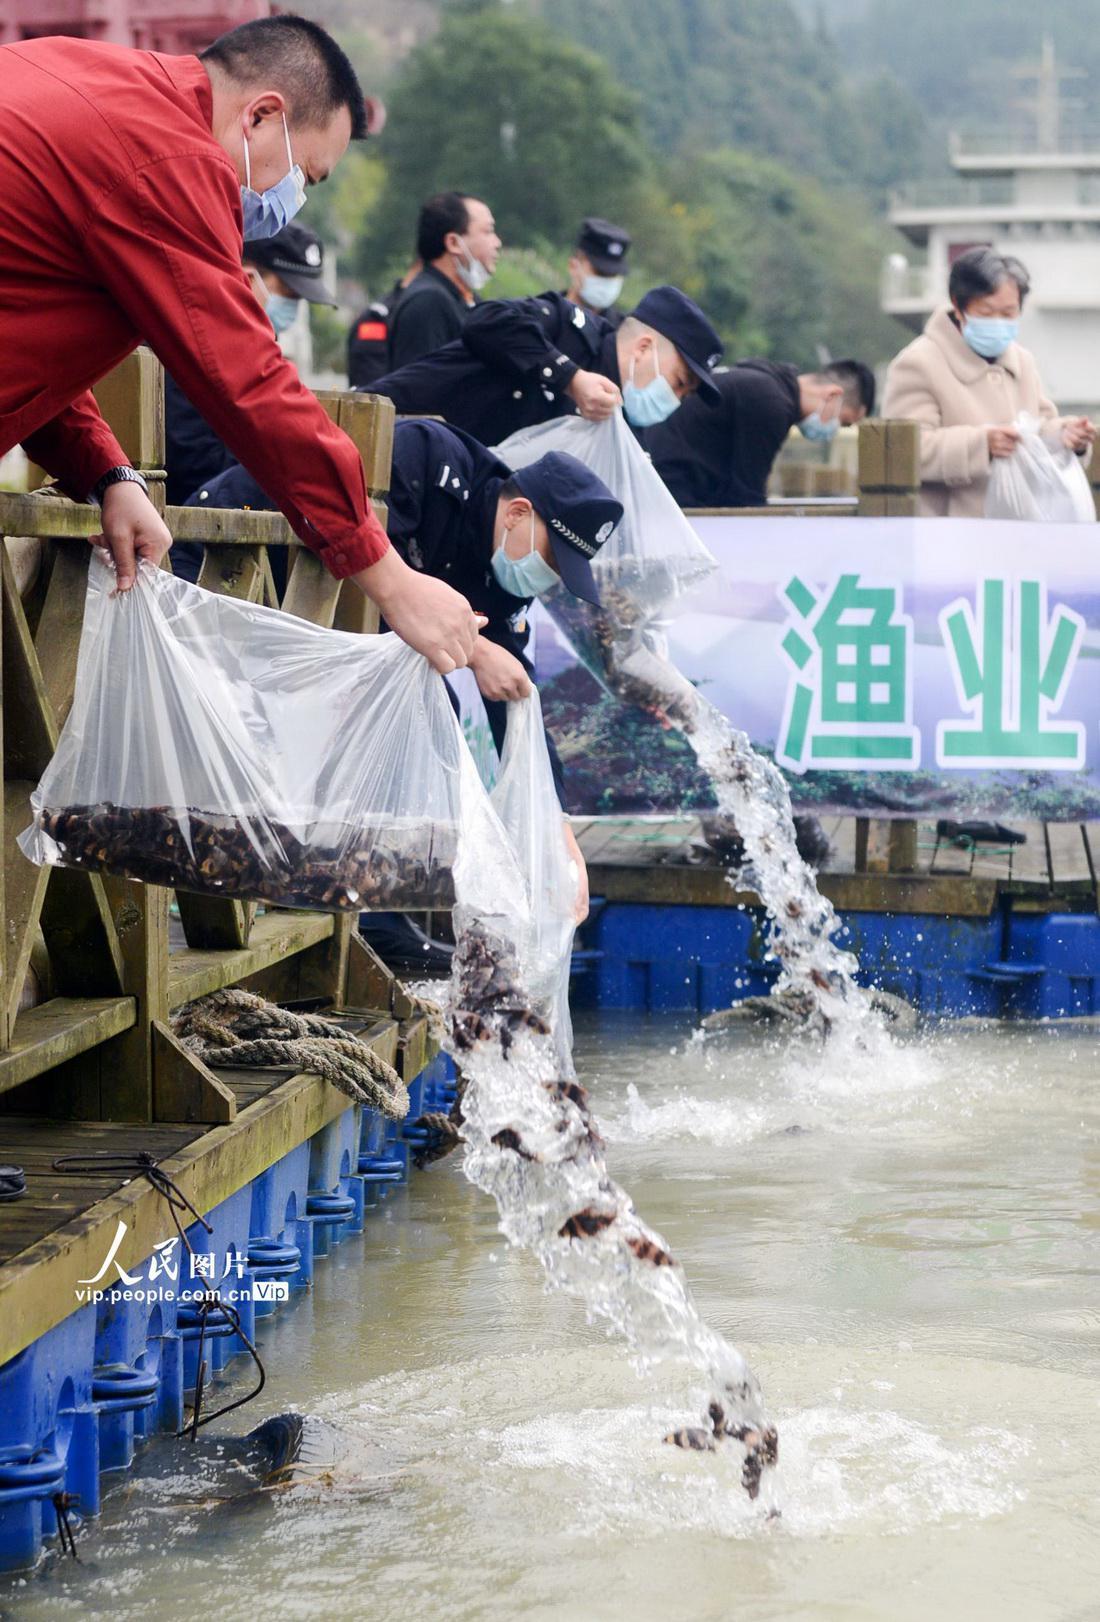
[1011,672]
[850,702]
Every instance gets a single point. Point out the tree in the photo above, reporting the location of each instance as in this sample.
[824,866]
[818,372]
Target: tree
[499,105]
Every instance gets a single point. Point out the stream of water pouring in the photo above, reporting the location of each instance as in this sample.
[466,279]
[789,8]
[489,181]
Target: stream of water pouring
[532,1144]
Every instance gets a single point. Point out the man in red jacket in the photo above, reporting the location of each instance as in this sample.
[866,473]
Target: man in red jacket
[125,180]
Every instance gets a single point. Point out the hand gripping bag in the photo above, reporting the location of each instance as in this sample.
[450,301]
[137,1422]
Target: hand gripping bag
[1041,482]
[653,558]
[526,802]
[235,750]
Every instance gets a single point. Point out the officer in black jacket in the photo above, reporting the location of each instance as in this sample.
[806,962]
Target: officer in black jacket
[598,267]
[722,458]
[524,361]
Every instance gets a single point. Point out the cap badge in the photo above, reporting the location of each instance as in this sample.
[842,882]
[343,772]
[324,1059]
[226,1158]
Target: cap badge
[603,532]
[313,254]
[712,360]
[614,249]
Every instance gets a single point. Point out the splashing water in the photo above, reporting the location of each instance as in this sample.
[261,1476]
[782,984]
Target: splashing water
[816,985]
[532,1144]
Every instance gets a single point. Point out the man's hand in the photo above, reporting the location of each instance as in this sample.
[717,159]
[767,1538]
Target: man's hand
[580,912]
[133,531]
[594,396]
[1078,434]
[425,613]
[1002,441]
[499,673]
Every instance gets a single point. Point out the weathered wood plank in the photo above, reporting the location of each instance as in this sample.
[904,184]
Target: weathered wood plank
[1068,855]
[61,1029]
[857,892]
[131,398]
[183,1088]
[275,935]
[24,889]
[79,930]
[57,634]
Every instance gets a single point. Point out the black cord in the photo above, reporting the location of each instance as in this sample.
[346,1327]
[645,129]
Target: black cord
[140,1164]
[62,1503]
[206,1305]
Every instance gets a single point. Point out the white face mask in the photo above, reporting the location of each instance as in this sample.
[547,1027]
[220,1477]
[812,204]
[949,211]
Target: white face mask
[473,272]
[600,292]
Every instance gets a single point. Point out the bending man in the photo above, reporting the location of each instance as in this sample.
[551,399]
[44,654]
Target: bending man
[126,180]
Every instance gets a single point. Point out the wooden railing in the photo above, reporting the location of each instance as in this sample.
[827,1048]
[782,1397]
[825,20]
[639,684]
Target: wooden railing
[97,1045]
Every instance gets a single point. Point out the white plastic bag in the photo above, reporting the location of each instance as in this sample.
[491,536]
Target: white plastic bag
[234,750]
[526,801]
[1041,482]
[653,557]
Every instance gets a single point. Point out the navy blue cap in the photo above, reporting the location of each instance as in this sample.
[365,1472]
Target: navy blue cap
[680,320]
[297,256]
[579,512]
[604,245]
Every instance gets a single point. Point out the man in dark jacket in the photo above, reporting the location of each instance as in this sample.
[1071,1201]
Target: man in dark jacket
[597,267]
[524,361]
[458,247]
[283,270]
[722,458]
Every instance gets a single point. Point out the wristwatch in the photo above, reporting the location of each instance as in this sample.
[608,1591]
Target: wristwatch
[115,475]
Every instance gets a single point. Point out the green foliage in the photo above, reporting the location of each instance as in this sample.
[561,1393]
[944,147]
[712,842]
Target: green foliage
[499,105]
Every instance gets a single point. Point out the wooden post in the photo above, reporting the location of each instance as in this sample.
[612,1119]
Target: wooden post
[889,469]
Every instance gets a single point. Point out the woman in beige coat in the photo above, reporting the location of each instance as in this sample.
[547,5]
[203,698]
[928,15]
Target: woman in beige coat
[966,379]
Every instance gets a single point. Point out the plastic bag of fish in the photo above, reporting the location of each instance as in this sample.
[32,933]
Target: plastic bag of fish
[226,748]
[525,800]
[654,556]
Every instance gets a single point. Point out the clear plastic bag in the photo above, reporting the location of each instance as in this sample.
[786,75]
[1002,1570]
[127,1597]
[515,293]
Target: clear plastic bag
[653,557]
[1041,482]
[234,750]
[526,802]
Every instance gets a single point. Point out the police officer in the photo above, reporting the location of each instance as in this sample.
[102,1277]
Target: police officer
[283,270]
[459,514]
[524,361]
[597,267]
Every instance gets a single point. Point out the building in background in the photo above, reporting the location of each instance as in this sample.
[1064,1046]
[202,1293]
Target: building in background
[1032,190]
[176,26]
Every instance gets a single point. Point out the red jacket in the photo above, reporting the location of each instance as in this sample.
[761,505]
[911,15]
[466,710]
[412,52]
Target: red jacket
[120,222]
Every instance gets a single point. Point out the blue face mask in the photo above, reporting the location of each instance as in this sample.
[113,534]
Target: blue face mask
[645,408]
[281,311]
[529,576]
[989,336]
[813,427]
[266,212]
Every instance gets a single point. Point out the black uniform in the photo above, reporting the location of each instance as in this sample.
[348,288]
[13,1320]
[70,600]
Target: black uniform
[509,369]
[721,456]
[427,314]
[442,508]
[193,452]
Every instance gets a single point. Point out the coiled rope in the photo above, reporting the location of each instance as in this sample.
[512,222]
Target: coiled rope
[235,1027]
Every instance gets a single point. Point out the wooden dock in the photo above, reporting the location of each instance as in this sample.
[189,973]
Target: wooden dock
[1057,869]
[94,965]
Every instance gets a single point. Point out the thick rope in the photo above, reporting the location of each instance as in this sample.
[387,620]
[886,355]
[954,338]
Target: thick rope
[238,1028]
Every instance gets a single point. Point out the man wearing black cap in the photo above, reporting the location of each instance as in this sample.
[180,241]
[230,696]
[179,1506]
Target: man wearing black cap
[597,267]
[283,270]
[524,361]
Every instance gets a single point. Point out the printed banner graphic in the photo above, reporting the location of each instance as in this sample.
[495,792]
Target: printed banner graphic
[895,666]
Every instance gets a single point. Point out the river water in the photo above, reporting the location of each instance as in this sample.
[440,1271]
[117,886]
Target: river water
[908,1254]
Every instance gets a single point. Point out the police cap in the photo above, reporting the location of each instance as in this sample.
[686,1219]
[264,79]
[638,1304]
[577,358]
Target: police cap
[297,257]
[605,246]
[680,320]
[579,512]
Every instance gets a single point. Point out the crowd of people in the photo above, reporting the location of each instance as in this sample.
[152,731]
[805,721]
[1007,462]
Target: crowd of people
[151,198]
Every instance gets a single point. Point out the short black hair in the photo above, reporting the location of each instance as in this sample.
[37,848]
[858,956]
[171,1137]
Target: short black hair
[857,381]
[980,271]
[440,215]
[299,59]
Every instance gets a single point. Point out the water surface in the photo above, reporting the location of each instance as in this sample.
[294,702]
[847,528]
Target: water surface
[907,1252]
